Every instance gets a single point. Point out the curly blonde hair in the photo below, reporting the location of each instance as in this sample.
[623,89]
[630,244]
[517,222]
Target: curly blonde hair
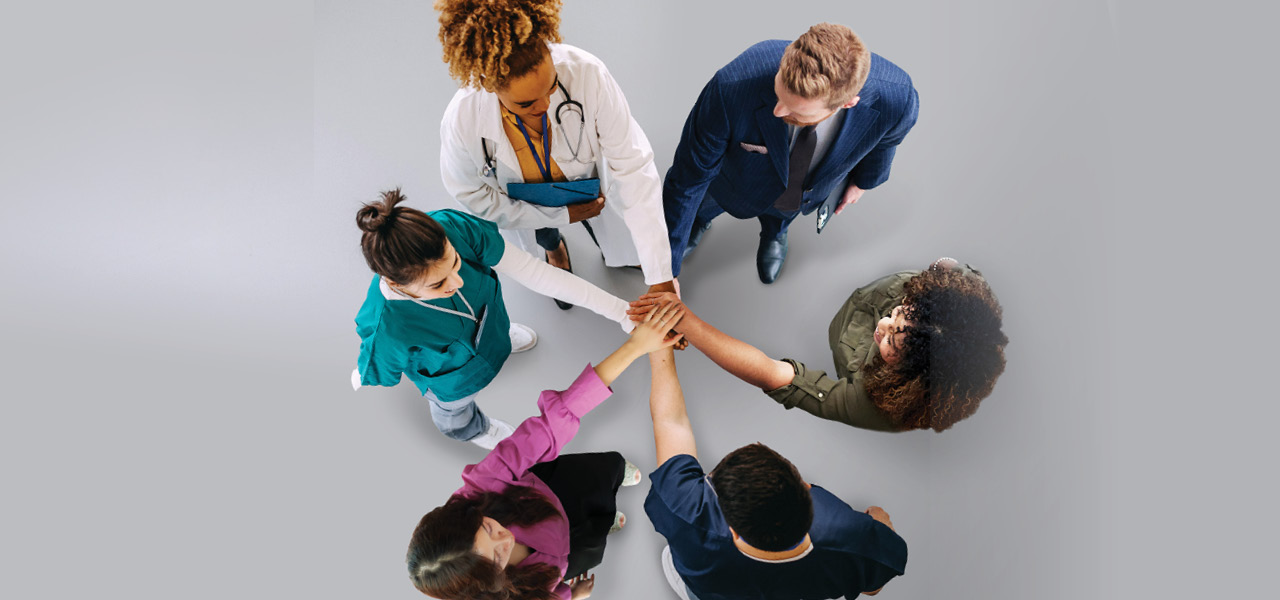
[953,352]
[489,42]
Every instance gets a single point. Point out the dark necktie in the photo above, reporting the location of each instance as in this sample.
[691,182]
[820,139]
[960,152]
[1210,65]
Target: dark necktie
[801,156]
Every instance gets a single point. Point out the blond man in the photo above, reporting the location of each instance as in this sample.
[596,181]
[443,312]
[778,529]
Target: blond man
[787,129]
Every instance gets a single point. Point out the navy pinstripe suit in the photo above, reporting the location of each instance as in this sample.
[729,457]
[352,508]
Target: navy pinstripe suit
[736,107]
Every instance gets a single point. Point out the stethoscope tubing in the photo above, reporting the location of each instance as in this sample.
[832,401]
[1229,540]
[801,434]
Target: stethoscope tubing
[491,166]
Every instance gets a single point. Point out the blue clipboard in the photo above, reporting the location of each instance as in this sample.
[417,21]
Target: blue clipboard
[556,193]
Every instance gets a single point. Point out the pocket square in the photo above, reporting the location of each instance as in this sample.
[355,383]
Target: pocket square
[753,148]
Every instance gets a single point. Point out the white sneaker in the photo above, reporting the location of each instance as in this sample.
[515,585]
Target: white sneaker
[631,476]
[498,430]
[522,338]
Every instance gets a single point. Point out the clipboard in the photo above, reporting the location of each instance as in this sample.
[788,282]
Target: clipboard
[556,193]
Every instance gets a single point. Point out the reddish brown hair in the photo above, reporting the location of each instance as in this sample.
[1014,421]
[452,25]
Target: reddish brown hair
[829,62]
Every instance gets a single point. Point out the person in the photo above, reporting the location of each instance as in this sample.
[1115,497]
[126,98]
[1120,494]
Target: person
[533,110]
[786,129]
[527,518]
[913,350]
[434,311]
[754,529]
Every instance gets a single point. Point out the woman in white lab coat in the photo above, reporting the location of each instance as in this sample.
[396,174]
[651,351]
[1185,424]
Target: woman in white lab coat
[525,96]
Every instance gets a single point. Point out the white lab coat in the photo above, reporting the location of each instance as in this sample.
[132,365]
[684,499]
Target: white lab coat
[631,229]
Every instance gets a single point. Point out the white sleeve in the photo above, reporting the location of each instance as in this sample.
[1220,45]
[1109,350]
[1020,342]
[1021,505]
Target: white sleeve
[550,281]
[460,172]
[630,158]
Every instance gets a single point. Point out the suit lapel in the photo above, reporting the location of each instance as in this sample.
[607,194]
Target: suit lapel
[857,121]
[775,138]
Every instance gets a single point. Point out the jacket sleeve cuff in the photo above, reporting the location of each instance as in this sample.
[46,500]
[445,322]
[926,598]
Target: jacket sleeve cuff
[586,393]
[805,384]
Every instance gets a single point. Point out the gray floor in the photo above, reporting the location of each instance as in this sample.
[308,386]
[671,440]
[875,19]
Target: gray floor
[178,418]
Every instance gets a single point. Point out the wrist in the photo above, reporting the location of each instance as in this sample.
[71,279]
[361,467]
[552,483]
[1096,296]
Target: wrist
[631,350]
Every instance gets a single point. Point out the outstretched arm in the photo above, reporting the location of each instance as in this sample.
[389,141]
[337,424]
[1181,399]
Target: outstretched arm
[672,432]
[562,285]
[742,360]
[540,438]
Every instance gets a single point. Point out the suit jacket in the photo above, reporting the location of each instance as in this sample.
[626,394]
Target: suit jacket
[736,108]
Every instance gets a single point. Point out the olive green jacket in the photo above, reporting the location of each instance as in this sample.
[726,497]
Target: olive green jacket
[853,349]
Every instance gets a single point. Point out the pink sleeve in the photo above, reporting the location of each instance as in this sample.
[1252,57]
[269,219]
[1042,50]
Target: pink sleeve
[539,439]
[564,591]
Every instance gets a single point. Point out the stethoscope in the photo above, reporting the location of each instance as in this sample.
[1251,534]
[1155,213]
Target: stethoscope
[569,106]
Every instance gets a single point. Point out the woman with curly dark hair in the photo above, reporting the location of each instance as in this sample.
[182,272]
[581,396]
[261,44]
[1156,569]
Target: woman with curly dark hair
[526,518]
[913,350]
[541,136]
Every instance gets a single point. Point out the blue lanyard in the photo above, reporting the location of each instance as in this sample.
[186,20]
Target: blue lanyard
[546,146]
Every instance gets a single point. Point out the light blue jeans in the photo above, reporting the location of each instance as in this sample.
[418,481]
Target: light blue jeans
[458,420]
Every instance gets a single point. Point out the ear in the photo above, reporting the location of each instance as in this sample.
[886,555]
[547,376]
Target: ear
[852,103]
[494,524]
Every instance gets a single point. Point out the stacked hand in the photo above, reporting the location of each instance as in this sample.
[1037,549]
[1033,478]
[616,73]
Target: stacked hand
[655,329]
[645,306]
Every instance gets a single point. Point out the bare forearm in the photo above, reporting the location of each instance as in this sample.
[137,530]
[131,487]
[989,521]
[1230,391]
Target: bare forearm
[667,399]
[744,361]
[672,431]
[613,365]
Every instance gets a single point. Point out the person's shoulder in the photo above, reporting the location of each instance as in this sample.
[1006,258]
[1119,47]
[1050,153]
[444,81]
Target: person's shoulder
[677,480]
[565,54]
[759,62]
[464,102]
[838,519]
[892,84]
[453,219]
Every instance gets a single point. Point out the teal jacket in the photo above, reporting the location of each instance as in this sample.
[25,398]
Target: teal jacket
[437,350]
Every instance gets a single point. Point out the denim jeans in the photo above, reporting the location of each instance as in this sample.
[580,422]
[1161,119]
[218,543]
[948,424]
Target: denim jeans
[460,419]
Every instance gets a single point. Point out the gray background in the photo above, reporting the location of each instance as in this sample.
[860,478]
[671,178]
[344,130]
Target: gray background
[181,271]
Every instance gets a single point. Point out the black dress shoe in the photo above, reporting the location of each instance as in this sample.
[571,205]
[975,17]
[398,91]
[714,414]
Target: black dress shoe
[769,258]
[559,303]
[695,236]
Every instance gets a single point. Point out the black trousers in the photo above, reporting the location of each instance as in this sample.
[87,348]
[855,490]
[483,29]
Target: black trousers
[587,486]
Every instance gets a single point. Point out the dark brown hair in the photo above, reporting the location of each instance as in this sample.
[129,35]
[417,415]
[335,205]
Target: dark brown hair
[441,561]
[399,243]
[953,351]
[763,497]
[829,62]
[489,42]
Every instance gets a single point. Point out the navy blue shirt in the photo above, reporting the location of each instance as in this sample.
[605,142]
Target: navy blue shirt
[852,553]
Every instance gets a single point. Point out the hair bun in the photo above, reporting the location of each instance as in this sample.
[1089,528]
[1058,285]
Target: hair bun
[372,217]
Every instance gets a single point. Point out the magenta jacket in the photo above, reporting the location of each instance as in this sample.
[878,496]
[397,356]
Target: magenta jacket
[539,439]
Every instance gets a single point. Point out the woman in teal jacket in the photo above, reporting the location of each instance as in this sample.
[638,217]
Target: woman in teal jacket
[434,310]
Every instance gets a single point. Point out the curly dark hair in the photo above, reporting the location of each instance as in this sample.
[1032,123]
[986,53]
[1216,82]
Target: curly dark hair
[953,351]
[488,42]
[441,561]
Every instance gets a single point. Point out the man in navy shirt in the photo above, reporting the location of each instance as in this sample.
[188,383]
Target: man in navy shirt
[753,528]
